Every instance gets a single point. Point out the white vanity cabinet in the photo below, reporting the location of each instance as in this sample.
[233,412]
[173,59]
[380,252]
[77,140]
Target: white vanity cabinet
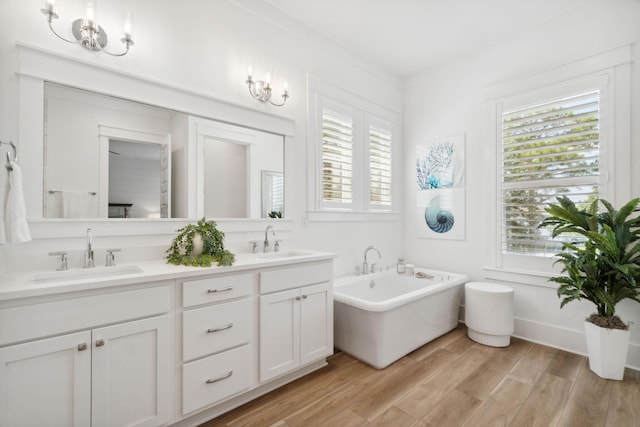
[174,349]
[218,352]
[113,375]
[296,317]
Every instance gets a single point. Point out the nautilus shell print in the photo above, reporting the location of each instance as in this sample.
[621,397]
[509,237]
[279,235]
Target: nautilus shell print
[438,219]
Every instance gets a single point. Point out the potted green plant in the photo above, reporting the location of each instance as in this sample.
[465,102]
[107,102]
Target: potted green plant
[602,267]
[199,245]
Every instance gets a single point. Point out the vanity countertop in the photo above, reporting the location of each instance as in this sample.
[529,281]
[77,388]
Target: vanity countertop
[34,284]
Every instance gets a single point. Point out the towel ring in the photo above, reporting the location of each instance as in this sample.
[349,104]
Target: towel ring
[15,154]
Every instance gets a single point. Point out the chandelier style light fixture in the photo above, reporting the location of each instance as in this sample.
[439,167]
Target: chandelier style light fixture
[261,89]
[86,31]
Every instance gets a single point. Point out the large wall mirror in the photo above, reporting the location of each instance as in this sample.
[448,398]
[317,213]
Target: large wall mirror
[107,157]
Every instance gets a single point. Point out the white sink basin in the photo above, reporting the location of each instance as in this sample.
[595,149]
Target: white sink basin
[85,273]
[282,255]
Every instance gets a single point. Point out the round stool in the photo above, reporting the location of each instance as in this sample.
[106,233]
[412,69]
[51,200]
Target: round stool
[488,313]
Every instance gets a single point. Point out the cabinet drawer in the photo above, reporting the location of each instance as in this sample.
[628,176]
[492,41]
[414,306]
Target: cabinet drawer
[214,378]
[56,317]
[215,328]
[294,277]
[214,289]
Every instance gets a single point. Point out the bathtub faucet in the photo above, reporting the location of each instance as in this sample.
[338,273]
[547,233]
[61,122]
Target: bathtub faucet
[365,265]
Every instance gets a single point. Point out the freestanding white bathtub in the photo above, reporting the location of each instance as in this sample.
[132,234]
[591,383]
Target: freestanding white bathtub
[381,317]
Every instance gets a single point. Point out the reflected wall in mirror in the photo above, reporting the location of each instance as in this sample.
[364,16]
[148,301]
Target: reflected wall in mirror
[135,170]
[235,154]
[83,176]
[225,161]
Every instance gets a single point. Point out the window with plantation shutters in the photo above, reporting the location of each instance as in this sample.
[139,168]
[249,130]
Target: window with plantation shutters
[548,149]
[352,163]
[337,157]
[379,166]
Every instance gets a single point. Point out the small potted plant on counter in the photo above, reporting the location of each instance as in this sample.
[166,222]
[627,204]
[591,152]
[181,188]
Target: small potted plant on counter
[199,245]
[603,268]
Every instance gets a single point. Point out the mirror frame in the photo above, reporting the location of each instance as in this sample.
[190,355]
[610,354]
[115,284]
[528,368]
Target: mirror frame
[35,66]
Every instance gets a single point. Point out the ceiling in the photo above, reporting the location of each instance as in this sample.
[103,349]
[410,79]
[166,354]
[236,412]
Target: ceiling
[404,37]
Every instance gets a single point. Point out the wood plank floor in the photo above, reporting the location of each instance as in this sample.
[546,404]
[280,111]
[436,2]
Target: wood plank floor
[451,381]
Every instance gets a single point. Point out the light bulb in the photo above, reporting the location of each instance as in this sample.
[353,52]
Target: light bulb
[50,5]
[127,24]
[90,14]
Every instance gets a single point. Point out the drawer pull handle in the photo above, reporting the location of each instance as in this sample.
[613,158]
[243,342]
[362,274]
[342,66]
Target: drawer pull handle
[221,328]
[99,343]
[213,291]
[224,377]
[82,347]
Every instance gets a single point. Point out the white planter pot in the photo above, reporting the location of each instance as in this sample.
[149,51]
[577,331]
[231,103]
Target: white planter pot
[198,245]
[607,350]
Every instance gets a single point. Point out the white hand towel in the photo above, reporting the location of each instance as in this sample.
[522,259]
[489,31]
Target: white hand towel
[16,225]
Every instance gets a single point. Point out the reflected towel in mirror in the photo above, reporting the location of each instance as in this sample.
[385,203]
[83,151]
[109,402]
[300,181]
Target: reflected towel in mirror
[79,204]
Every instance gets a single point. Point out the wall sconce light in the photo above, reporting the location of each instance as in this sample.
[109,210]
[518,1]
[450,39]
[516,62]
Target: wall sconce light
[261,89]
[86,31]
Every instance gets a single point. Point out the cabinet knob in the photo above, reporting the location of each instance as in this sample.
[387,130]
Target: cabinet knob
[99,343]
[298,298]
[82,347]
[304,296]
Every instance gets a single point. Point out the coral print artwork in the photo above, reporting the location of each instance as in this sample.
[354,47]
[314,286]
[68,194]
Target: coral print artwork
[440,197]
[440,163]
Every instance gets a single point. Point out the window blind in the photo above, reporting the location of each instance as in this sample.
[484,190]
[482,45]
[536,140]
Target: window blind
[379,166]
[337,157]
[277,195]
[548,149]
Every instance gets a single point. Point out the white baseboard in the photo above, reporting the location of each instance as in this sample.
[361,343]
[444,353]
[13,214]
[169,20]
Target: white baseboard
[565,339]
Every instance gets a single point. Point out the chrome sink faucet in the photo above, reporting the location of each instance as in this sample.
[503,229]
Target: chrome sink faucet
[266,238]
[365,264]
[88,253]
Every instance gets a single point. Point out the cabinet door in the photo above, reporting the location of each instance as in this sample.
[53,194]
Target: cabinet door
[316,322]
[279,333]
[131,368]
[46,382]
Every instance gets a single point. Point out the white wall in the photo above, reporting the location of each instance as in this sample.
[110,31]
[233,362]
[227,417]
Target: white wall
[451,99]
[203,47]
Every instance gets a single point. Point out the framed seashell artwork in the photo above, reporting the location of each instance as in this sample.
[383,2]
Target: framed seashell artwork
[441,214]
[440,179]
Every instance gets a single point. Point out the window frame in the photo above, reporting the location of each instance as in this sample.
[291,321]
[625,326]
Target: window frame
[364,113]
[372,121]
[344,110]
[612,70]
[545,96]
